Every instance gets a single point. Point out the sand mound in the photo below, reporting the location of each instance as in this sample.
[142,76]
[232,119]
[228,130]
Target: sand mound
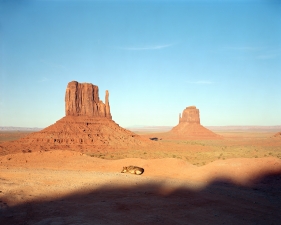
[240,170]
[237,170]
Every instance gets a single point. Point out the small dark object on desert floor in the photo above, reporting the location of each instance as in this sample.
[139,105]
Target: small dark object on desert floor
[132,169]
[154,139]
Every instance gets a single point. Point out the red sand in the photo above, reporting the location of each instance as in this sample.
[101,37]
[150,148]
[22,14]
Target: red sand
[67,187]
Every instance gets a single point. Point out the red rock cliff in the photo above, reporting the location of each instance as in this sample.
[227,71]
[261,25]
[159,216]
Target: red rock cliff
[82,99]
[190,115]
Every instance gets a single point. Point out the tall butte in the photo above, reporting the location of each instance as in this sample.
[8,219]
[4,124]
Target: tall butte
[189,126]
[82,99]
[86,127]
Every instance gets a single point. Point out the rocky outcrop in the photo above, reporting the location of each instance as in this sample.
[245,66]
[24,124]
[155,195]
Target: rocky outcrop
[189,126]
[82,99]
[87,127]
[107,107]
[190,115]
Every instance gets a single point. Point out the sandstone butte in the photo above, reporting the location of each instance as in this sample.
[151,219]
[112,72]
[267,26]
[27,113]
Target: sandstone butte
[189,126]
[86,127]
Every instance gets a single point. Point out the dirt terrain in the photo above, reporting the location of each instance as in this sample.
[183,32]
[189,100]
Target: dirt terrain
[235,180]
[12,135]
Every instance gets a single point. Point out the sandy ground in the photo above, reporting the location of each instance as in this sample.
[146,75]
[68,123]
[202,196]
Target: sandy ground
[65,187]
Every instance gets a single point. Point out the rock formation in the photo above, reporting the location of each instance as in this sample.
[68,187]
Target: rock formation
[87,126]
[189,126]
[82,99]
[190,115]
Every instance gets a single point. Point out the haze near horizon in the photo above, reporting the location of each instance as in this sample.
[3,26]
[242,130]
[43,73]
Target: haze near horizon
[155,58]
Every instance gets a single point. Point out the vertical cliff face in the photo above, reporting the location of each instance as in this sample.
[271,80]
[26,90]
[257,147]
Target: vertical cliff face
[190,115]
[82,99]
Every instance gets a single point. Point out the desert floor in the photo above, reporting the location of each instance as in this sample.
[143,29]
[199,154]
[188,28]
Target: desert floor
[236,180]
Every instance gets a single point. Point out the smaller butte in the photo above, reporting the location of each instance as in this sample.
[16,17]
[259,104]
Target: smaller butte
[189,126]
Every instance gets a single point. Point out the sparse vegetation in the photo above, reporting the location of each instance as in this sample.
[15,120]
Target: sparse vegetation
[12,135]
[197,152]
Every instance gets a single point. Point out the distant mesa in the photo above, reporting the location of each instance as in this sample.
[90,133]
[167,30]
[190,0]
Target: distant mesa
[87,126]
[189,126]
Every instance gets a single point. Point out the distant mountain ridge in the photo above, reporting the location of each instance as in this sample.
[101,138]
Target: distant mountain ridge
[20,128]
[245,128]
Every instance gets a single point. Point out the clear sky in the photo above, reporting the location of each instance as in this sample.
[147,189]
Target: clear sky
[155,58]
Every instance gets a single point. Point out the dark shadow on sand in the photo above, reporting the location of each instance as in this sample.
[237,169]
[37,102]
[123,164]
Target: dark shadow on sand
[221,202]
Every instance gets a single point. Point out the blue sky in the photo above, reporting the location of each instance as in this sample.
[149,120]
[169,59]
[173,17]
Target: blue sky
[154,57]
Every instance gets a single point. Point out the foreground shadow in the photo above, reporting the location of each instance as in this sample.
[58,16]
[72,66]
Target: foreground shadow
[221,202]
